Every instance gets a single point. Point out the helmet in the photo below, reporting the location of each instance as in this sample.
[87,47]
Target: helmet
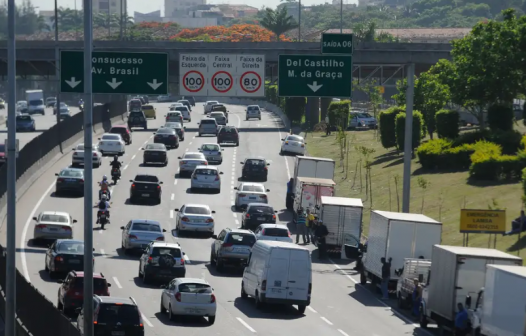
[105,178]
[115,158]
[103,198]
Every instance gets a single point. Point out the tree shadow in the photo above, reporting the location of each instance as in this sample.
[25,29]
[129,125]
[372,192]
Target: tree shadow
[394,163]
[385,158]
[488,183]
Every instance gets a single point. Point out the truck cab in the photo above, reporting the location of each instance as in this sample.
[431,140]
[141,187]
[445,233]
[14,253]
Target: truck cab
[414,269]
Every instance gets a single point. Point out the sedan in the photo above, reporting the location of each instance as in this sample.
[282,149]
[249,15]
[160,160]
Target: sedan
[213,152]
[78,156]
[70,180]
[111,144]
[257,214]
[219,117]
[206,177]
[64,111]
[195,218]
[178,127]
[189,161]
[155,153]
[166,136]
[185,103]
[293,144]
[25,123]
[64,255]
[138,233]
[276,232]
[255,168]
[53,225]
[250,193]
[174,105]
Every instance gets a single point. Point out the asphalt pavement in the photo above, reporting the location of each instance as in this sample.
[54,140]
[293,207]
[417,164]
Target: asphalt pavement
[339,305]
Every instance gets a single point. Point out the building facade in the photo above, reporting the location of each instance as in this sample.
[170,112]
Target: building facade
[180,8]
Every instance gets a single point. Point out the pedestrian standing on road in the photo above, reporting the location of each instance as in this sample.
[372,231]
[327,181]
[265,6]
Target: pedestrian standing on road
[301,227]
[289,201]
[416,297]
[321,233]
[328,124]
[310,223]
[461,321]
[386,276]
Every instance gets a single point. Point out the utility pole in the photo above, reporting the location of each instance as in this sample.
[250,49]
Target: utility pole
[57,69]
[408,140]
[341,16]
[299,21]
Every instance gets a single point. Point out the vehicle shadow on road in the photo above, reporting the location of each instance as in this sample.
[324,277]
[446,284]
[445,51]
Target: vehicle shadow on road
[44,275]
[202,191]
[275,312]
[143,203]
[192,235]
[66,195]
[123,256]
[366,296]
[186,321]
[152,285]
[152,165]
[228,272]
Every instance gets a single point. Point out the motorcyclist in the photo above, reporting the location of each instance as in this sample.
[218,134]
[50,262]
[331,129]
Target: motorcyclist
[116,164]
[104,186]
[81,102]
[103,205]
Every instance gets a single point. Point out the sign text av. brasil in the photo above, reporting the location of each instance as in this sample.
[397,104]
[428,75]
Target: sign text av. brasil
[337,44]
[116,72]
[315,76]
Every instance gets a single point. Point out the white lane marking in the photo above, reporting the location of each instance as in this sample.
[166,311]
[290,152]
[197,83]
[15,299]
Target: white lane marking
[186,150]
[187,259]
[101,231]
[26,228]
[125,167]
[173,196]
[237,223]
[146,142]
[133,157]
[175,182]
[245,324]
[232,182]
[347,275]
[311,309]
[326,321]
[146,321]
[117,282]
[189,143]
[343,332]
[234,214]
[171,214]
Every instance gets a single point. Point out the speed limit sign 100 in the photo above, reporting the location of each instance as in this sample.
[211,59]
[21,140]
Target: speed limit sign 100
[250,82]
[222,81]
[193,81]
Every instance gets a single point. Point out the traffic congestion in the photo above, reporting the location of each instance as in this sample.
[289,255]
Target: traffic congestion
[192,225]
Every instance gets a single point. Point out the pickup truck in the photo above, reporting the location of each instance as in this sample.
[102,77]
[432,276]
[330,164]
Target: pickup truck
[146,187]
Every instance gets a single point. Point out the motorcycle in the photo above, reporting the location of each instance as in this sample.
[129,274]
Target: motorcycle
[115,175]
[103,218]
[81,107]
[104,192]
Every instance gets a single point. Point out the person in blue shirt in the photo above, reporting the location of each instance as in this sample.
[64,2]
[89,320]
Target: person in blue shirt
[416,298]
[290,194]
[301,227]
[461,321]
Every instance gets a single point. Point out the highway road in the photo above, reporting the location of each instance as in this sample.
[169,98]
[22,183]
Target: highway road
[339,305]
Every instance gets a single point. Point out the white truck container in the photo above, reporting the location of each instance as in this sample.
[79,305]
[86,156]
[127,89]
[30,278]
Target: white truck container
[456,272]
[308,192]
[35,102]
[501,304]
[307,166]
[343,218]
[398,236]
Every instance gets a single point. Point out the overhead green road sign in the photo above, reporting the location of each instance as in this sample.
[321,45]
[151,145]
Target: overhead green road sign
[337,44]
[116,72]
[314,76]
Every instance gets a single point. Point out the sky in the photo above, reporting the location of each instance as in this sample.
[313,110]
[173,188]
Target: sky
[153,5]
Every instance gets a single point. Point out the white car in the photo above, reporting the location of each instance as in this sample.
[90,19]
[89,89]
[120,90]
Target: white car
[276,232]
[293,144]
[174,105]
[185,112]
[189,297]
[208,105]
[249,192]
[53,225]
[253,111]
[111,144]
[219,117]
[21,106]
[78,156]
[206,177]
[213,152]
[195,218]
[174,116]
[189,161]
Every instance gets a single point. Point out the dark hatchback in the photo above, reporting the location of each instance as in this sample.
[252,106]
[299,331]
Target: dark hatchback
[70,180]
[124,132]
[137,120]
[65,255]
[228,134]
[71,290]
[25,123]
[257,214]
[145,187]
[167,136]
[255,168]
[155,153]
[178,127]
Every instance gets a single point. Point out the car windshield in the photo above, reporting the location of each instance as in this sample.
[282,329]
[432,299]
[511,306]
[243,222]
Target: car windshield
[155,146]
[212,103]
[228,130]
[194,210]
[254,188]
[146,178]
[36,102]
[217,115]
[23,118]
[118,130]
[193,156]
[147,107]
[71,173]
[253,107]
[211,148]
[111,314]
[207,172]
[255,162]
[261,209]
[208,122]
[175,114]
[181,108]
[71,246]
[111,137]
[165,131]
[364,115]
[135,103]
[241,239]
[174,252]
[98,283]
[195,288]
[276,232]
[294,138]
[54,218]
[146,227]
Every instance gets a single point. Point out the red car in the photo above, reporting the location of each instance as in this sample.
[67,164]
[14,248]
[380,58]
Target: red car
[2,154]
[124,131]
[71,291]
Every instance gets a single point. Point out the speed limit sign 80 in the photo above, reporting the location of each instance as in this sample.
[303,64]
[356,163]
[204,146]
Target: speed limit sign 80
[250,82]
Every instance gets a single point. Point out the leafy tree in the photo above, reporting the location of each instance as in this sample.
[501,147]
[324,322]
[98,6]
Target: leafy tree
[278,21]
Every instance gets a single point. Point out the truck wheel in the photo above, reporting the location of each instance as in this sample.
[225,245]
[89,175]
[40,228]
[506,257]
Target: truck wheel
[363,278]
[423,319]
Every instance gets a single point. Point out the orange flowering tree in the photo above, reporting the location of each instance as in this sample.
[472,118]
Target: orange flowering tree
[235,33]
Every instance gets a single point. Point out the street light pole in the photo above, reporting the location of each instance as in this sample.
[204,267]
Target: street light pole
[299,21]
[57,68]
[341,16]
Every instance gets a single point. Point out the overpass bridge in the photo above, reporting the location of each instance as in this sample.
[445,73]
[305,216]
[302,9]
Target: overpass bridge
[384,61]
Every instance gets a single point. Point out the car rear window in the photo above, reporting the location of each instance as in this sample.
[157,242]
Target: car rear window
[294,138]
[54,218]
[210,148]
[70,173]
[195,288]
[147,107]
[228,130]
[118,130]
[174,252]
[208,122]
[212,102]
[276,232]
[241,239]
[155,146]
[98,283]
[23,118]
[146,227]
[217,115]
[255,162]
[111,314]
[208,172]
[71,246]
[146,178]
[181,108]
[192,210]
[260,209]
[165,131]
[193,156]
[254,188]
[111,137]
[253,107]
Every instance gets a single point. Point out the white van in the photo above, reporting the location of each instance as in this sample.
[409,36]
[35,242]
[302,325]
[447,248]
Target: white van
[278,272]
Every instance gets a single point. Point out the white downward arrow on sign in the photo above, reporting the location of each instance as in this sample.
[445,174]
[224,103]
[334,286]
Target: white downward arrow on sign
[114,83]
[73,82]
[154,85]
[314,86]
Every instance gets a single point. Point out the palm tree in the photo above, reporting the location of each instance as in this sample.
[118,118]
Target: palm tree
[278,21]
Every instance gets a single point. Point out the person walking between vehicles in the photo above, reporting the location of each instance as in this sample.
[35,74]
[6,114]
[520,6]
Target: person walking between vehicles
[289,201]
[103,205]
[310,224]
[321,233]
[328,125]
[416,296]
[104,187]
[461,321]
[386,276]
[301,227]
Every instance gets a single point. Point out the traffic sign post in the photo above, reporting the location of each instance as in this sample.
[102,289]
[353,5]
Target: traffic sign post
[116,72]
[315,76]
[337,44]
[222,75]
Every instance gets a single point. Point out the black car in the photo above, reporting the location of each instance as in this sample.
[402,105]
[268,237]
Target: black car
[155,153]
[228,134]
[186,103]
[70,180]
[63,256]
[255,168]
[190,99]
[146,187]
[178,127]
[167,136]
[137,119]
[257,214]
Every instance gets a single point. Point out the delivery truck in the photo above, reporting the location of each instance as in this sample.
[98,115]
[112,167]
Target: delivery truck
[307,166]
[343,218]
[398,236]
[500,305]
[456,272]
[35,102]
[309,190]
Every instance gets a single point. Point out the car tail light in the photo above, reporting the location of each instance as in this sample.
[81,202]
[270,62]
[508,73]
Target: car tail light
[133,185]
[227,245]
[248,216]
[159,187]
[160,238]
[94,154]
[212,298]
[290,236]
[59,259]
[132,237]
[183,162]
[41,226]
[263,196]
[60,180]
[182,261]
[264,285]
[150,260]
[178,297]
[82,181]
[66,228]
[205,163]
[185,219]
[242,195]
[265,168]
[209,220]
[273,216]
[217,178]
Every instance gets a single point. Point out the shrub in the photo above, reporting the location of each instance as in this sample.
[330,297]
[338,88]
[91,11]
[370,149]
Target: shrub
[388,126]
[500,117]
[295,108]
[485,150]
[496,168]
[447,124]
[523,178]
[272,94]
[339,113]
[439,154]
[510,141]
[418,122]
[524,114]
[471,138]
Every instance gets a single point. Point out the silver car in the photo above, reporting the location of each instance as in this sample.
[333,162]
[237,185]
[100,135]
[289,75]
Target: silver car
[53,225]
[219,117]
[213,152]
[138,233]
[208,105]
[206,177]
[189,161]
[208,126]
[231,247]
[195,218]
[253,111]
[250,193]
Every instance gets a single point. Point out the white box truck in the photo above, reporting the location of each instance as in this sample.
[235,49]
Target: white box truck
[35,102]
[456,272]
[343,218]
[309,190]
[399,236]
[307,166]
[500,306]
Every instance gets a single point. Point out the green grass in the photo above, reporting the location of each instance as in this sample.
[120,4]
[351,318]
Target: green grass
[445,195]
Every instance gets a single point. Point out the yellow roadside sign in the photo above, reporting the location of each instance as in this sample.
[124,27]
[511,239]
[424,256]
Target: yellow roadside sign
[482,221]
[381,89]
